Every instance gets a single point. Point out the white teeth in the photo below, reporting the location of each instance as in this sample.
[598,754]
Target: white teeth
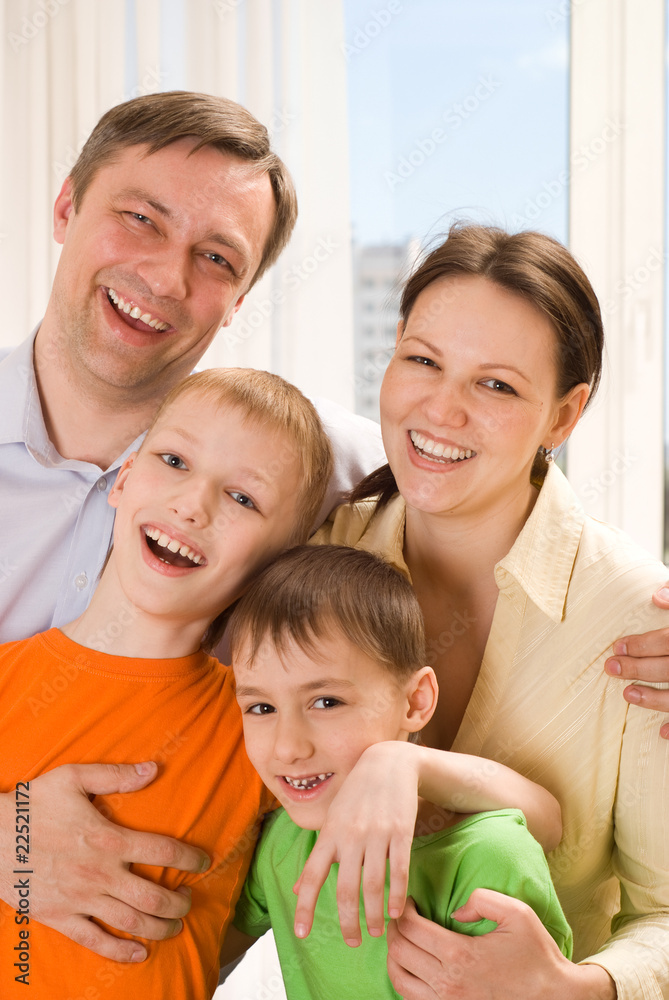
[173,545]
[439,451]
[304,783]
[135,312]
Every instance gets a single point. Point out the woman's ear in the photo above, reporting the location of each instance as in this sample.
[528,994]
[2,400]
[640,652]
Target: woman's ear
[568,413]
[116,491]
[422,694]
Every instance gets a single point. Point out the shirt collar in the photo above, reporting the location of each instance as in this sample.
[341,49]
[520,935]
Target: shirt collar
[542,558]
[22,420]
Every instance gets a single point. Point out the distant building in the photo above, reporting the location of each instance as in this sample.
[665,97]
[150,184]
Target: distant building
[377,278]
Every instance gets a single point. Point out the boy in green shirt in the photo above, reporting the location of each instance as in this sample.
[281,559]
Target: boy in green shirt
[328,650]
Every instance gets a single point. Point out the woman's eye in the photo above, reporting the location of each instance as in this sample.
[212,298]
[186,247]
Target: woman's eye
[326,702]
[260,709]
[242,499]
[499,386]
[138,217]
[174,461]
[421,360]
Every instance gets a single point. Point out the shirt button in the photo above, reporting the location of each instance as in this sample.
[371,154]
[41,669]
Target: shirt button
[81,581]
[101,484]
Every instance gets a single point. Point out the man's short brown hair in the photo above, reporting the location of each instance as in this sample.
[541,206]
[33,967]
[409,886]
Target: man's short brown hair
[321,591]
[157,120]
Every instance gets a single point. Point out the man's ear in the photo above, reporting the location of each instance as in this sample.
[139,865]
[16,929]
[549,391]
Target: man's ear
[422,695]
[231,315]
[116,491]
[62,210]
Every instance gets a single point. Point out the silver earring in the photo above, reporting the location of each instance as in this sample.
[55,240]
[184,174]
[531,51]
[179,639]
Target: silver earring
[548,453]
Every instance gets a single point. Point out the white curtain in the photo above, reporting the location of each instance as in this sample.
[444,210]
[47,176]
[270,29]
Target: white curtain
[61,66]
[64,62]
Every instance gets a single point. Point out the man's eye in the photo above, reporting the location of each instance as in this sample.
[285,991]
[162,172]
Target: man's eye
[139,217]
[499,386]
[327,702]
[242,499]
[174,461]
[216,258]
[260,709]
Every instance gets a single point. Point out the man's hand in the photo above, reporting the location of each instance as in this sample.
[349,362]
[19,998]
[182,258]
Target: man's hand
[518,959]
[81,861]
[645,658]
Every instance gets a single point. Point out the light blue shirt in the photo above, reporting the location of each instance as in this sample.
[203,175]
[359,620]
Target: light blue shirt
[55,522]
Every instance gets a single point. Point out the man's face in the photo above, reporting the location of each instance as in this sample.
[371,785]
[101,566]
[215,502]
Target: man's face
[156,259]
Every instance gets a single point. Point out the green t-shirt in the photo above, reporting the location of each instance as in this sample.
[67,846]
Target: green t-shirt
[492,850]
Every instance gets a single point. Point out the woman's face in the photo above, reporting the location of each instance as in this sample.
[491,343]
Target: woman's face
[469,396]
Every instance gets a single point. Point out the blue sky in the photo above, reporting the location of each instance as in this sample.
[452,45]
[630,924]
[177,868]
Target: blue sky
[491,78]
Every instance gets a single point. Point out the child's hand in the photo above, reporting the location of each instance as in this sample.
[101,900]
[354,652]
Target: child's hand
[370,820]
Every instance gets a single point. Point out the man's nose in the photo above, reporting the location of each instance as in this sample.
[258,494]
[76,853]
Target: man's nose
[166,272]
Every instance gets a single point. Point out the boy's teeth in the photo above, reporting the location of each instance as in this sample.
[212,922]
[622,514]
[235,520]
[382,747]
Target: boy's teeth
[172,545]
[437,450]
[130,309]
[304,783]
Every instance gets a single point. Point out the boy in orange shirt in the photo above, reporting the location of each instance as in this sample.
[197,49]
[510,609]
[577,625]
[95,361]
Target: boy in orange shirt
[231,472]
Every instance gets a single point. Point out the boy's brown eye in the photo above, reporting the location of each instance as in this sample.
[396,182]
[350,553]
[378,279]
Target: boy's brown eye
[260,709]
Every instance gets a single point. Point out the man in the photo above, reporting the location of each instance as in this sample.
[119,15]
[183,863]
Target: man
[175,207]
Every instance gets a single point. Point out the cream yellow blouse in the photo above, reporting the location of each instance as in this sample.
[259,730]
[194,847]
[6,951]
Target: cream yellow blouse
[543,705]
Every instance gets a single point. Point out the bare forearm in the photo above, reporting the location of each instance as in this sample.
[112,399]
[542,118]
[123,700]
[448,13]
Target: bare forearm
[467,784]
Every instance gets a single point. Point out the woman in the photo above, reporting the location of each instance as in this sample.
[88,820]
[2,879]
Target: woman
[498,353]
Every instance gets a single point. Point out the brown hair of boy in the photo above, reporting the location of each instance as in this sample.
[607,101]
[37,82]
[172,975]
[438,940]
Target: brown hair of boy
[314,592]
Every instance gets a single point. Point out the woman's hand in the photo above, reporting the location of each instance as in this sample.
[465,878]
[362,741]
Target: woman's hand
[81,861]
[518,959]
[370,820]
[645,658]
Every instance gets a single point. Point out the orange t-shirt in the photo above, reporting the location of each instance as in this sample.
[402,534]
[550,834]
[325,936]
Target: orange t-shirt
[64,703]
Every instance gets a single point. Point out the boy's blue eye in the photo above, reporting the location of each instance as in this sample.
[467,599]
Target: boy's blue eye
[173,461]
[260,709]
[325,702]
[242,499]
